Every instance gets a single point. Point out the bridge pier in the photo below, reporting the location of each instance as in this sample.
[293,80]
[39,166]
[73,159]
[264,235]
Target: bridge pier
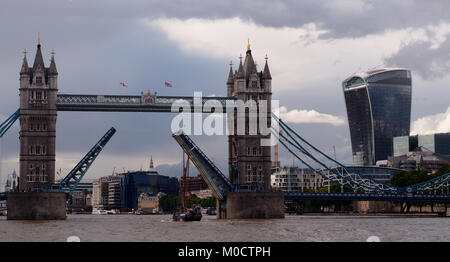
[246,205]
[36,205]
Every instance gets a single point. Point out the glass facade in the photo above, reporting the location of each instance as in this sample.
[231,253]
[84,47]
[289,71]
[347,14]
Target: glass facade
[427,141]
[401,145]
[378,109]
[438,143]
[135,183]
[404,144]
[442,143]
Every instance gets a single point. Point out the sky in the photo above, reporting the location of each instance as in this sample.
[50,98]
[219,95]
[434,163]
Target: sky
[311,45]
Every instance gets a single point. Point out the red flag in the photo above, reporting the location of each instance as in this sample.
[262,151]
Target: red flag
[167,84]
[123,84]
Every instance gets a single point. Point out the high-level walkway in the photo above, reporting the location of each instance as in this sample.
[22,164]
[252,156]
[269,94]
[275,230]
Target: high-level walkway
[142,103]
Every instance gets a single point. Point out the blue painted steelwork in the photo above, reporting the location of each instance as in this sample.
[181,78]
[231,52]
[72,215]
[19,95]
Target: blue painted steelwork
[143,103]
[3,196]
[348,177]
[430,185]
[71,181]
[366,197]
[338,175]
[215,179]
[9,122]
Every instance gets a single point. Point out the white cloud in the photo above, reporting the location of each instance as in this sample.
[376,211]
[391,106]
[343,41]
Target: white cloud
[298,57]
[308,116]
[438,123]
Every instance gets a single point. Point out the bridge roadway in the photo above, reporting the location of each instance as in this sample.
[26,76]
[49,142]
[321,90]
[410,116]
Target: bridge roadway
[366,196]
[354,196]
[142,103]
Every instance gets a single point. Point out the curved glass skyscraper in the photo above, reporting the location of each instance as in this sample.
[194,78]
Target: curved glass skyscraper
[378,108]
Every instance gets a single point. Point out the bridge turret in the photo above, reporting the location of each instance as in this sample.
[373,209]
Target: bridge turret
[230,81]
[38,91]
[249,162]
[24,71]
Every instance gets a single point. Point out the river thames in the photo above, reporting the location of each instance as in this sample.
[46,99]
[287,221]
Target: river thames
[292,228]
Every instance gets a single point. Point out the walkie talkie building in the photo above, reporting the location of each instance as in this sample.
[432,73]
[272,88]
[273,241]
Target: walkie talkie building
[378,108]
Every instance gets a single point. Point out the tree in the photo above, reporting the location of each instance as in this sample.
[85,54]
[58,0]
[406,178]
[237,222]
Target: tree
[169,202]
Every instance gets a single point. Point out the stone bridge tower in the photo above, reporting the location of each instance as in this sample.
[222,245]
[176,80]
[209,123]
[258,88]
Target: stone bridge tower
[38,90]
[249,162]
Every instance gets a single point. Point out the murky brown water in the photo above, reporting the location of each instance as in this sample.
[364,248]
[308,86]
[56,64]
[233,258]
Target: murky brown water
[292,228]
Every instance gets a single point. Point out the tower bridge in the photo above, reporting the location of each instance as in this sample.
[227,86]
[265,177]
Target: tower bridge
[246,193]
[40,102]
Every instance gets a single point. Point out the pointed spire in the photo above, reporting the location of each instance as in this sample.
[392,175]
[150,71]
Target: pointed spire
[52,69]
[38,60]
[240,73]
[25,69]
[230,75]
[151,163]
[249,64]
[248,45]
[266,73]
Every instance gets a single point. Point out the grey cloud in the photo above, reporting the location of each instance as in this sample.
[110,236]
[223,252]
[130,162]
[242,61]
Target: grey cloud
[428,62]
[342,18]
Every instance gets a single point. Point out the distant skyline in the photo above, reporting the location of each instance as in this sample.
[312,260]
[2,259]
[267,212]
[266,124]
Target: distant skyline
[312,46]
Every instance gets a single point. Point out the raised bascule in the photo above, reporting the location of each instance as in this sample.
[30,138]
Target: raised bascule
[245,193]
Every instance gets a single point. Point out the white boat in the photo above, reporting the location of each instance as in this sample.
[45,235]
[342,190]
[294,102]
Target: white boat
[99,212]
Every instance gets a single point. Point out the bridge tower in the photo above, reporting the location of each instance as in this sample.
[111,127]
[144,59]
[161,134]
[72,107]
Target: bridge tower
[38,90]
[249,162]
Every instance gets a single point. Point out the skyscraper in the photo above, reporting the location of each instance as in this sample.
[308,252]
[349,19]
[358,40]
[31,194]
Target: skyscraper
[378,108]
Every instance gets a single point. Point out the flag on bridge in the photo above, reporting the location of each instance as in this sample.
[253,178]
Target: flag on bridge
[167,84]
[123,84]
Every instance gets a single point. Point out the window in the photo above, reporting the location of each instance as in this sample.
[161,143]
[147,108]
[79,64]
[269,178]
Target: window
[354,81]
[254,151]
[38,150]
[248,151]
[254,84]
[38,95]
[38,79]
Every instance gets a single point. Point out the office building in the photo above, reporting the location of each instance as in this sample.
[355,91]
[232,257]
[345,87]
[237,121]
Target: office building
[437,143]
[294,179]
[420,159]
[378,106]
